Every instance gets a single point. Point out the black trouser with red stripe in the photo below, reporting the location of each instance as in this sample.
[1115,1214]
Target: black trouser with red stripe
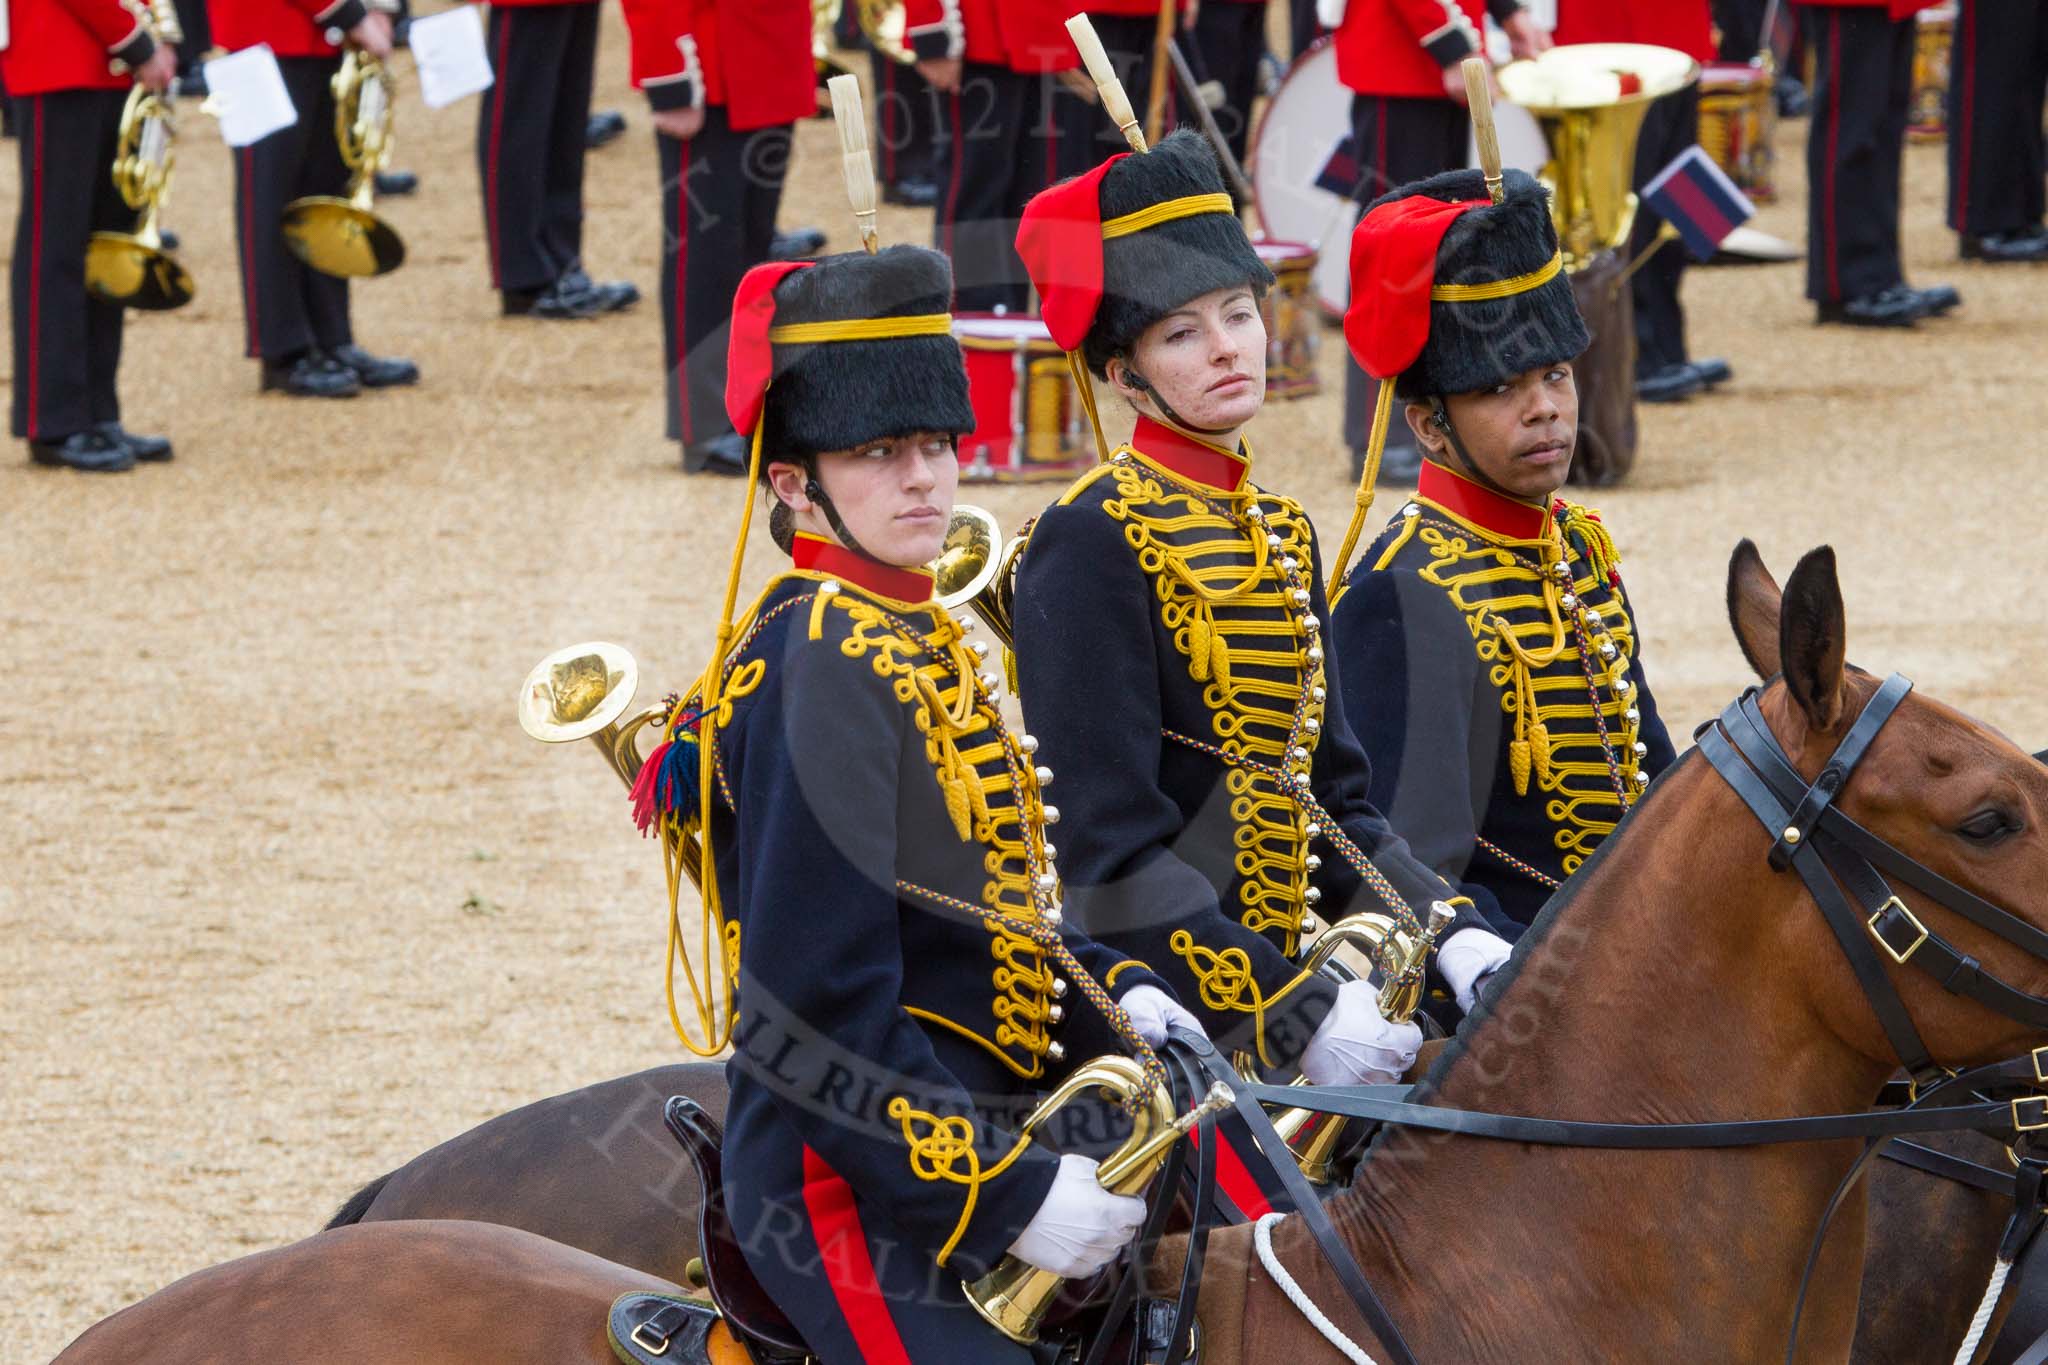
[1232,38]
[67,344]
[996,149]
[858,1293]
[719,194]
[530,132]
[287,306]
[1998,77]
[906,123]
[1087,138]
[1862,84]
[1671,125]
[1395,142]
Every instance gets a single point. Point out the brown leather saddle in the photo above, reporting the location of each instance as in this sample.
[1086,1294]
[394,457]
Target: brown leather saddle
[750,1314]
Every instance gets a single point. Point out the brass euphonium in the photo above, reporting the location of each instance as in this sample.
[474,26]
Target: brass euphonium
[1314,1137]
[132,269]
[824,19]
[1013,1297]
[344,236]
[1590,100]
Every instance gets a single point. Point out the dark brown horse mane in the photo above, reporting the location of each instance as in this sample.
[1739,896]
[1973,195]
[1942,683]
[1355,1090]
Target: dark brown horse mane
[1532,939]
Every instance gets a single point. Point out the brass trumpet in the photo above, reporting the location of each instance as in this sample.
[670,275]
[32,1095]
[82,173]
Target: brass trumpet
[1013,1297]
[344,236]
[886,23]
[132,269]
[1311,1136]
[976,569]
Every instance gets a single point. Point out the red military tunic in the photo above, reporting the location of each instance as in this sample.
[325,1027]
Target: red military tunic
[1682,24]
[1022,35]
[71,45]
[292,28]
[750,57]
[1400,48]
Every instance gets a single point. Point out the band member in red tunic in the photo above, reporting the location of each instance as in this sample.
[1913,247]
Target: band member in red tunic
[68,97]
[1998,76]
[726,80]
[1863,81]
[297,319]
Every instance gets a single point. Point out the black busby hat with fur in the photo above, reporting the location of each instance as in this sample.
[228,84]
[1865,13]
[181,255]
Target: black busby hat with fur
[1148,274]
[1475,343]
[843,394]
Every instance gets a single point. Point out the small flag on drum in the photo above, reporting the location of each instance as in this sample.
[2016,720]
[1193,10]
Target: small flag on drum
[1696,197]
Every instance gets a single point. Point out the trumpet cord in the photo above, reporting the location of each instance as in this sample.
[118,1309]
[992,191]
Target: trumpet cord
[1368,489]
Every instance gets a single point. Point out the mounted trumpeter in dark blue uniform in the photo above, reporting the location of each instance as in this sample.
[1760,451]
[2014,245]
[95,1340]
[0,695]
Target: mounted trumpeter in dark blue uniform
[1171,641]
[883,931]
[1492,667]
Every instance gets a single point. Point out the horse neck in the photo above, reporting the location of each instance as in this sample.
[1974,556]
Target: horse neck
[1671,987]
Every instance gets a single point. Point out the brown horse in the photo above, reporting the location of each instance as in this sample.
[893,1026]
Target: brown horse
[1680,980]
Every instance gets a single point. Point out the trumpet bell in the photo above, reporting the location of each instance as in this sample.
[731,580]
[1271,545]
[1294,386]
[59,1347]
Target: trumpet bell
[971,556]
[887,23]
[577,691]
[126,269]
[336,236]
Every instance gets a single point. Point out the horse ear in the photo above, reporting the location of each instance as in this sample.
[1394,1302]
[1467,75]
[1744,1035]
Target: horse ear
[1754,603]
[1811,638]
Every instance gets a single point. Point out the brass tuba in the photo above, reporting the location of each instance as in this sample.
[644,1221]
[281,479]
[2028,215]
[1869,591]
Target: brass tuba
[132,269]
[344,236]
[1311,1136]
[1590,100]
[1013,1297]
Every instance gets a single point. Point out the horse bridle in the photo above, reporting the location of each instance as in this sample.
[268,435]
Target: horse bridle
[1848,871]
[1845,868]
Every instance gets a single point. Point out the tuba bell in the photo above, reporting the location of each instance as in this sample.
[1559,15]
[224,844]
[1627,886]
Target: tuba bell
[132,269]
[344,236]
[1311,1136]
[1590,99]
[1013,1298]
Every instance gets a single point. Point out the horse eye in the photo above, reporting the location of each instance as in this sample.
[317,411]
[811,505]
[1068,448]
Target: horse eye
[1988,827]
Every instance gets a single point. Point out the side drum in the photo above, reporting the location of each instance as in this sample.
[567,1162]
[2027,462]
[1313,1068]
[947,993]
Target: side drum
[1028,421]
[1293,320]
[1933,49]
[1738,121]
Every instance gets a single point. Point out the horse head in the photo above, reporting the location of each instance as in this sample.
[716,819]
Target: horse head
[1951,795]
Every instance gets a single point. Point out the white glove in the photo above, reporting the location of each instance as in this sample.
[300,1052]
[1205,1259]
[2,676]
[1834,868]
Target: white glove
[1330,13]
[1355,1044]
[1465,957]
[1152,1011]
[1080,1227]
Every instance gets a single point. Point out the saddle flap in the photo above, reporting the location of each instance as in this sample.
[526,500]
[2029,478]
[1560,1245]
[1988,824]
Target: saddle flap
[661,1329]
[748,1310]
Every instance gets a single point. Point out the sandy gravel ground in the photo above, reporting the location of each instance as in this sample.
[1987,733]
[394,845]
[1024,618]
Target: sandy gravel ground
[288,896]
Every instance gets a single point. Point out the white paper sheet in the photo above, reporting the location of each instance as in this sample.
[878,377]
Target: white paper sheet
[247,93]
[449,50]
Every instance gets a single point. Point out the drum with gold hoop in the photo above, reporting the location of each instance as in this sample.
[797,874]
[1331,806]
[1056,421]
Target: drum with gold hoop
[1028,421]
[1933,49]
[1738,121]
[1293,317]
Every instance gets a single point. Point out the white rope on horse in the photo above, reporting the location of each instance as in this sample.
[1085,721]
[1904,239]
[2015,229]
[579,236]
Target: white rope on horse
[1985,1309]
[1262,1239]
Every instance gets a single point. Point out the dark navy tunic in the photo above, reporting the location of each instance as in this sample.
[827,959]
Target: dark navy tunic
[1503,702]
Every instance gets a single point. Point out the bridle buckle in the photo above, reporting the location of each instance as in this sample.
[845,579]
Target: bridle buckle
[1903,955]
[2039,1054]
[656,1345]
[2020,1124]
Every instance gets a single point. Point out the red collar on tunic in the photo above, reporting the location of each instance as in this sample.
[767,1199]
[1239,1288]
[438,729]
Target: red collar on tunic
[818,555]
[1489,511]
[1194,460]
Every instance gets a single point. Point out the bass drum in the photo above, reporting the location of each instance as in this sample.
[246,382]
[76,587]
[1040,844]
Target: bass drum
[1304,170]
